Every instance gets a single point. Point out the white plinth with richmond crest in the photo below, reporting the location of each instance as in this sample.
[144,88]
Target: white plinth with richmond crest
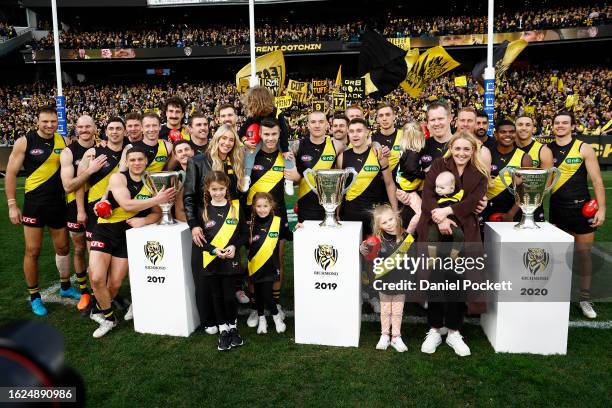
[533,317]
[163,292]
[327,284]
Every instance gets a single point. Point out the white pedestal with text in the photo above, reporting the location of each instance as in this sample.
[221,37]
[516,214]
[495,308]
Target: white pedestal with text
[163,291]
[539,265]
[327,284]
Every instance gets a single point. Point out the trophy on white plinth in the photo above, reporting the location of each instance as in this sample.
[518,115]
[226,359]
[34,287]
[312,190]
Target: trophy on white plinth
[168,179]
[528,186]
[330,187]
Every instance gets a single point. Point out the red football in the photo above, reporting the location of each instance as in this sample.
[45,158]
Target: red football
[103,209]
[589,209]
[252,133]
[175,135]
[496,217]
[373,244]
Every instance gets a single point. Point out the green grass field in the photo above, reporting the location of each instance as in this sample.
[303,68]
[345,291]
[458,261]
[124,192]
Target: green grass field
[130,369]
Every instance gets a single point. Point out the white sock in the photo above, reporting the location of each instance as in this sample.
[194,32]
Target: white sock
[63,265]
[223,327]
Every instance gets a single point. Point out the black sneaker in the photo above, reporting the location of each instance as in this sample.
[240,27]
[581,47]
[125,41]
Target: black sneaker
[236,339]
[225,341]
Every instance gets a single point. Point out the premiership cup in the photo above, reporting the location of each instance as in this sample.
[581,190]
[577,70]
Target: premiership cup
[330,187]
[528,186]
[156,181]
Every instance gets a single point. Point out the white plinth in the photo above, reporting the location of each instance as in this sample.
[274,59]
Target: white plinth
[163,292]
[327,292]
[539,324]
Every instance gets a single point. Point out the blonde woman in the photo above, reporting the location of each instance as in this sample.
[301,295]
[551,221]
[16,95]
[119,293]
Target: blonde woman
[471,175]
[409,174]
[225,155]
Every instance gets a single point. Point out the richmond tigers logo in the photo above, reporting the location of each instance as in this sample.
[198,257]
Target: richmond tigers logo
[536,260]
[154,251]
[326,256]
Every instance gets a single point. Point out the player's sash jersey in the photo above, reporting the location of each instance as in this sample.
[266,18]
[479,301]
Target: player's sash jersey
[316,157]
[197,149]
[98,182]
[533,150]
[393,143]
[221,228]
[498,195]
[42,168]
[165,132]
[263,256]
[409,175]
[433,149]
[572,186]
[157,155]
[368,189]
[119,216]
[267,176]
[78,151]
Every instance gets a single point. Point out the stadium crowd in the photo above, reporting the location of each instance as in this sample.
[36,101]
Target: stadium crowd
[174,34]
[538,92]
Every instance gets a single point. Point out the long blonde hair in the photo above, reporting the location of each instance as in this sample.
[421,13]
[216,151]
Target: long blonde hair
[236,155]
[475,159]
[259,101]
[377,214]
[412,137]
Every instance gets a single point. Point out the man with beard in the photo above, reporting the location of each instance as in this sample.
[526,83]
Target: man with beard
[44,203]
[481,128]
[540,154]
[339,128]
[198,131]
[172,130]
[133,126]
[182,153]
[226,115]
[388,136]
[69,161]
[317,151]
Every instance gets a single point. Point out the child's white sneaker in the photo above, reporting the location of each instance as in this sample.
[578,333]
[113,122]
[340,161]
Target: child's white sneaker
[262,328]
[398,344]
[383,343]
[278,322]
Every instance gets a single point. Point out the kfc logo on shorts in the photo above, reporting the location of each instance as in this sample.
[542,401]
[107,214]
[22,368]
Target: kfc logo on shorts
[258,167]
[97,244]
[73,225]
[210,224]
[88,234]
[426,158]
[36,152]
[29,220]
[306,158]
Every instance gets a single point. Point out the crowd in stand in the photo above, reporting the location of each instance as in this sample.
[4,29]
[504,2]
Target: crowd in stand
[168,34]
[7,31]
[539,92]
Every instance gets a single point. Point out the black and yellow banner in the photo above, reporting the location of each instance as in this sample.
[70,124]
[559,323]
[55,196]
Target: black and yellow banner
[354,89]
[320,87]
[432,64]
[283,102]
[318,105]
[339,101]
[298,90]
[270,71]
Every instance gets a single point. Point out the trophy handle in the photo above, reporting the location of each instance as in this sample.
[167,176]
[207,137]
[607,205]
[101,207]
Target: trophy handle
[181,180]
[502,177]
[557,173]
[353,180]
[307,172]
[146,180]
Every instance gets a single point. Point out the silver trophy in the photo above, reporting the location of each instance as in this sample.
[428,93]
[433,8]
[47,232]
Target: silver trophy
[529,185]
[330,187]
[158,180]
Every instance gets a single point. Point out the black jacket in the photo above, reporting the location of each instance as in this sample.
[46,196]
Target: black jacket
[198,168]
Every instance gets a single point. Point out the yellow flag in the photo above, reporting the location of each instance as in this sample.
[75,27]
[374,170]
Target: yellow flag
[560,86]
[553,79]
[461,81]
[270,69]
[571,101]
[403,43]
[298,90]
[339,77]
[283,102]
[530,110]
[432,64]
